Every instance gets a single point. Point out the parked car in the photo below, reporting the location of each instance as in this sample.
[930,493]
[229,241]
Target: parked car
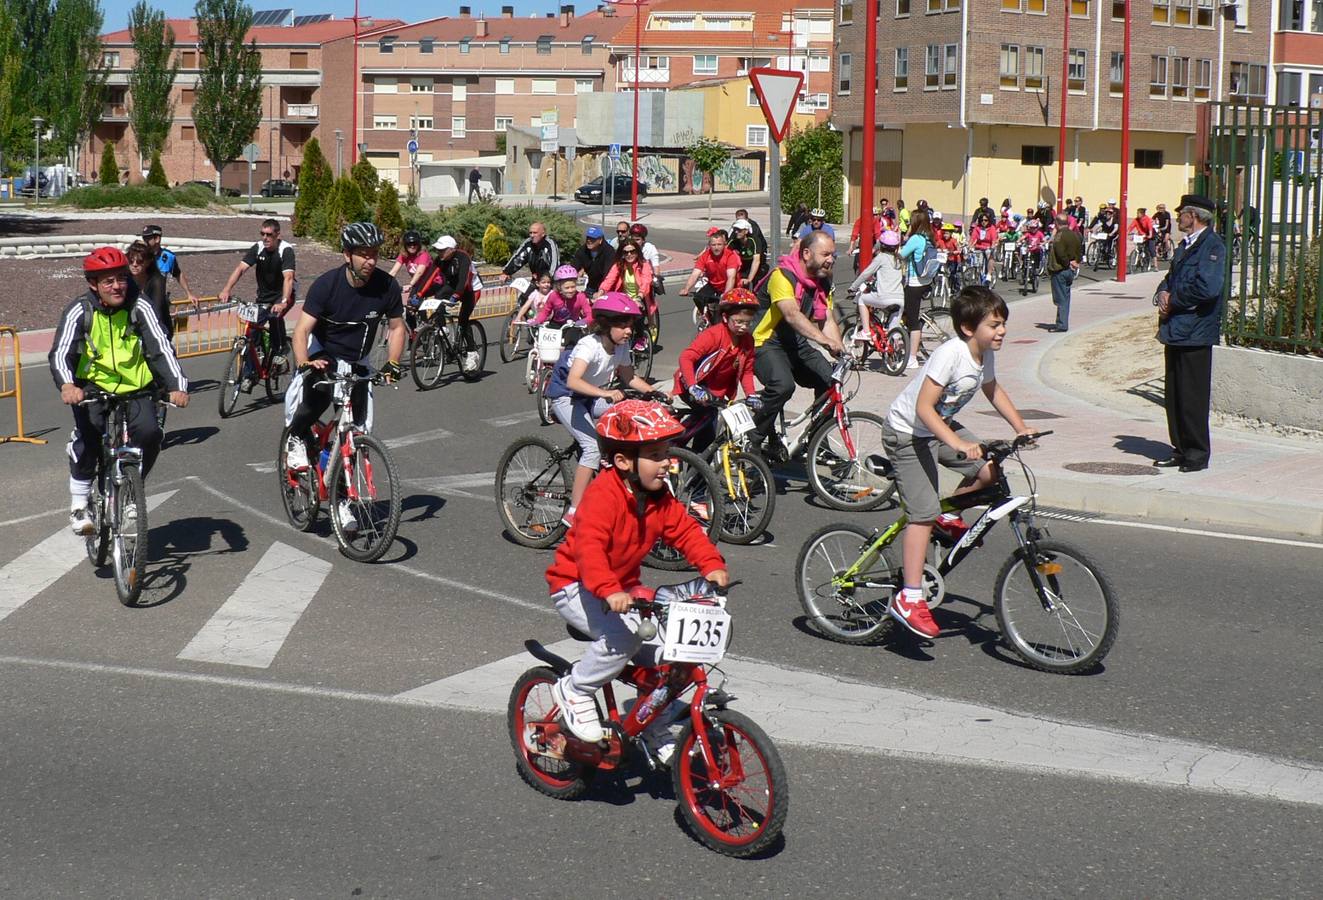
[623,184]
[278,187]
[211,186]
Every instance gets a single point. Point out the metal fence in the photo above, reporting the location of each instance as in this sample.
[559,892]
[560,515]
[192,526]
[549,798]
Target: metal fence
[1265,171]
[11,383]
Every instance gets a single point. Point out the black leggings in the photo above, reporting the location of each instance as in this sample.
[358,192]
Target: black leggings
[315,401]
[90,424]
[780,369]
[914,294]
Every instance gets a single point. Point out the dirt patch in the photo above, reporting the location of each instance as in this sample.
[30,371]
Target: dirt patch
[1119,366]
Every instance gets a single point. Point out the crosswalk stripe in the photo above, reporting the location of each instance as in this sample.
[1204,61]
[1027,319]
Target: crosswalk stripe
[514,419]
[252,625]
[422,437]
[48,562]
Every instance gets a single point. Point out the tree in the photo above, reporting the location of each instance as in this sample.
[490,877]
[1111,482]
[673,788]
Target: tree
[344,204]
[109,166]
[389,218]
[74,75]
[156,175]
[365,174]
[11,66]
[708,157]
[228,104]
[813,163]
[154,69]
[314,184]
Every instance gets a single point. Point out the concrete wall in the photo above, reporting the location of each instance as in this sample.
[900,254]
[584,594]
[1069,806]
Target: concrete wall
[1272,387]
[665,119]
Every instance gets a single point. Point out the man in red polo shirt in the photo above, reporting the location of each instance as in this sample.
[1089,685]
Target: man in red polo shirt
[720,266]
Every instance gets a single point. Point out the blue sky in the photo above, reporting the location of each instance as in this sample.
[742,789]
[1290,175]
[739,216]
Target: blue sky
[117,11]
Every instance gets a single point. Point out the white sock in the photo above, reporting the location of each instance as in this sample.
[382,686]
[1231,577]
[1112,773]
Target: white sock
[913,595]
[78,491]
[570,511]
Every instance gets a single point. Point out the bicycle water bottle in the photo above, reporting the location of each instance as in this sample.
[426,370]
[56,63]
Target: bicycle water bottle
[655,700]
[325,459]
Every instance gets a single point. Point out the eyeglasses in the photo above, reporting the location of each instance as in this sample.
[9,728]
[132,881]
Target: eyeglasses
[109,280]
[268,234]
[622,231]
[629,251]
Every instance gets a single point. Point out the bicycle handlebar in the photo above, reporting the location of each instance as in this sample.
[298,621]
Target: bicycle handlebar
[995,451]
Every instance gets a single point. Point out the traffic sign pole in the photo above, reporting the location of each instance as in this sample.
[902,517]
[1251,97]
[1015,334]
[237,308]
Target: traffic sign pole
[777,90]
[774,191]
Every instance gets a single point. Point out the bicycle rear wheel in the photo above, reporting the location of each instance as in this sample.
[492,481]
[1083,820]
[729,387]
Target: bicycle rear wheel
[850,470]
[277,379]
[539,758]
[541,398]
[298,490]
[896,352]
[98,542]
[472,370]
[128,542]
[232,380]
[533,481]
[427,360]
[748,494]
[1072,625]
[840,610]
[371,488]
[512,347]
[693,483]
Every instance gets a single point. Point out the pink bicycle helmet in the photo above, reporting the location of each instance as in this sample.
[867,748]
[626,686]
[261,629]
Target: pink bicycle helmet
[614,303]
[565,272]
[890,238]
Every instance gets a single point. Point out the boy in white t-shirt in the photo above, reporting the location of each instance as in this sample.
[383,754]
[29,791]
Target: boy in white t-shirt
[921,432]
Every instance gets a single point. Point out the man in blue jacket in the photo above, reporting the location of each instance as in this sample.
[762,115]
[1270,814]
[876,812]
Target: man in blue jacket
[1190,305]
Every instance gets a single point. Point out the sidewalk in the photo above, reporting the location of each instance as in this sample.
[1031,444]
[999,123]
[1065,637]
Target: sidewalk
[1099,459]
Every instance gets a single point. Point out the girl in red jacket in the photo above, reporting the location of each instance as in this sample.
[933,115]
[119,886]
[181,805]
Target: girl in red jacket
[720,361]
[623,513]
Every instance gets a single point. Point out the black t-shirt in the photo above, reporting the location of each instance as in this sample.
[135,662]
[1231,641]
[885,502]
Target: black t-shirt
[347,317]
[269,268]
[1162,220]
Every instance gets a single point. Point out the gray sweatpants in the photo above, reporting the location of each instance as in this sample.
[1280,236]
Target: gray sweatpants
[614,641]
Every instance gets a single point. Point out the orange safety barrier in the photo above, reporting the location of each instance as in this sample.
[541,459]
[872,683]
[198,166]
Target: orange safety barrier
[207,326]
[13,387]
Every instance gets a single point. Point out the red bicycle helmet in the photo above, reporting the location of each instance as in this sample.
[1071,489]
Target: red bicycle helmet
[104,259]
[738,298]
[638,422]
[638,229]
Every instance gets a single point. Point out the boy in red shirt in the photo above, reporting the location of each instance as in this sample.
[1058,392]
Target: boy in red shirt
[720,361]
[624,512]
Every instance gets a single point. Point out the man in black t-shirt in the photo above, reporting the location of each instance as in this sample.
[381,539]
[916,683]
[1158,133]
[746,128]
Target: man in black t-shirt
[166,260]
[272,261]
[341,314]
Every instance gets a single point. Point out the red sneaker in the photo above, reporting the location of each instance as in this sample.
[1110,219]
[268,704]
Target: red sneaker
[914,616]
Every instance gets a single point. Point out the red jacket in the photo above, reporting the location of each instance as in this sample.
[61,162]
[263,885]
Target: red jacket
[717,362]
[608,541]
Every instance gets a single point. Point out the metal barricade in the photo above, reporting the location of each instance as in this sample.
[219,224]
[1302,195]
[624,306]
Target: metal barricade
[12,385]
[208,326]
[496,300]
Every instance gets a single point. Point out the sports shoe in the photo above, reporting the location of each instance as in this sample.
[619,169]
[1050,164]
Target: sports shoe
[914,616]
[567,520]
[80,522]
[579,712]
[279,361]
[860,335]
[296,455]
[345,513]
[246,385]
[912,364]
[130,523]
[470,361]
[952,524]
[699,509]
[659,738]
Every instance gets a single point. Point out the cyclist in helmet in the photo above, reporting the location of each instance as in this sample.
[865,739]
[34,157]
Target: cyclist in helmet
[581,384]
[625,511]
[166,260]
[720,361]
[566,303]
[272,262]
[336,334]
[639,232]
[886,274]
[412,258]
[454,278]
[108,340]
[817,221]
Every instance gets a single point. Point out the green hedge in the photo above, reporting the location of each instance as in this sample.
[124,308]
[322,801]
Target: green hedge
[103,196]
[467,223]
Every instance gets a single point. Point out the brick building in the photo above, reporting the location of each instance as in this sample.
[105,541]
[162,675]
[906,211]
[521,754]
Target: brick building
[968,94]
[459,82]
[293,101]
[1297,53]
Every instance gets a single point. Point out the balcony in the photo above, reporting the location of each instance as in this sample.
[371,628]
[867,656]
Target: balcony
[114,112]
[304,111]
[648,76]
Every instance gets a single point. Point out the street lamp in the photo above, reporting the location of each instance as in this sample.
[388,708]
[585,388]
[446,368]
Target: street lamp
[1123,237]
[638,53]
[339,149]
[866,165]
[37,122]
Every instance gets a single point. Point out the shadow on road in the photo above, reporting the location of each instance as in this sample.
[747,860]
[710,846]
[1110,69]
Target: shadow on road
[1142,446]
[172,547]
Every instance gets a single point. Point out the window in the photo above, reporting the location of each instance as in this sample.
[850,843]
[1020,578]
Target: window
[1204,13]
[544,45]
[902,8]
[1076,70]
[583,85]
[186,133]
[535,121]
[457,127]
[188,59]
[1118,10]
[752,62]
[505,45]
[1288,88]
[1157,82]
[1162,11]
[421,86]
[464,44]
[751,97]
[1116,73]
[755,135]
[1079,8]
[932,68]
[950,66]
[298,59]
[902,68]
[1038,7]
[459,91]
[1249,80]
[384,85]
[386,45]
[1010,67]
[386,122]
[1033,68]
[426,45]
[544,85]
[1148,159]
[187,96]
[1011,5]
[1035,155]
[934,6]
[110,58]
[421,123]
[1180,77]
[1315,85]
[1183,12]
[843,74]
[847,12]
[503,122]
[819,61]
[1203,78]
[705,64]
[586,45]
[505,86]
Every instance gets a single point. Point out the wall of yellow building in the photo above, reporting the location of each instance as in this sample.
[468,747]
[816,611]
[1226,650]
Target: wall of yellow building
[727,114]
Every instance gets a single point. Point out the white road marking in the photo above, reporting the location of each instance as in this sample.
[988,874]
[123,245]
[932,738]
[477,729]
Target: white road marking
[40,515]
[37,569]
[422,437]
[266,468]
[1198,532]
[515,419]
[453,485]
[252,625]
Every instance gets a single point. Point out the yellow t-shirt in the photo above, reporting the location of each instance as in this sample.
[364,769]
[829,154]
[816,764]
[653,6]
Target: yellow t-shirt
[779,288]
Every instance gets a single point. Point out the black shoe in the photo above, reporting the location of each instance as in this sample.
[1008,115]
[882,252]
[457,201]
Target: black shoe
[1170,462]
[1191,467]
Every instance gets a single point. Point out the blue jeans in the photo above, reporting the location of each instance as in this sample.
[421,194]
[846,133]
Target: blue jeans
[1061,282]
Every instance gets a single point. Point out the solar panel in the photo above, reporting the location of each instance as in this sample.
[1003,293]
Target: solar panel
[271,16]
[312,20]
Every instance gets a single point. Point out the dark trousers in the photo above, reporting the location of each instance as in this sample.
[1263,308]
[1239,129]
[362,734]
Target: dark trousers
[315,400]
[1187,399]
[780,369]
[708,296]
[473,191]
[90,424]
[914,294]
[1061,282]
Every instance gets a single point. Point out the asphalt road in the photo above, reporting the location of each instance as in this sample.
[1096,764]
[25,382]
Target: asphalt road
[136,764]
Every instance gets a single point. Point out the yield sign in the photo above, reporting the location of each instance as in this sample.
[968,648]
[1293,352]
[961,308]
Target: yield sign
[777,90]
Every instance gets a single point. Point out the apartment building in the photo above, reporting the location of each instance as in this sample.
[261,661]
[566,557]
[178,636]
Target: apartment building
[455,84]
[969,94]
[685,45]
[293,78]
[1297,53]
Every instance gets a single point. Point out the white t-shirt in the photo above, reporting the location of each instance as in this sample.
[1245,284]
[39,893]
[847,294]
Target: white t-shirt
[952,366]
[601,365]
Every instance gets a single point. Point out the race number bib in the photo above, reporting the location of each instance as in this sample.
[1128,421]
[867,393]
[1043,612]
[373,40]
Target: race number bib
[430,305]
[548,343]
[248,312]
[696,633]
[738,419]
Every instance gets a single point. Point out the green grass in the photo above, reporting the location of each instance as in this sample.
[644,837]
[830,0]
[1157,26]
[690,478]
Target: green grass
[100,196]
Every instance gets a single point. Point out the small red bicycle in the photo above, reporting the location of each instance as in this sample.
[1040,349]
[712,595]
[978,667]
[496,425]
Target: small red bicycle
[250,361]
[729,780]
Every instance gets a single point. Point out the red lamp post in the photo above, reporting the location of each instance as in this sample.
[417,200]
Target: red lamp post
[1123,236]
[1065,84]
[353,141]
[866,164]
[634,158]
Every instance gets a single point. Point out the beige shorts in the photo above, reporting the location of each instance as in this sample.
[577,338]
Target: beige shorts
[915,461]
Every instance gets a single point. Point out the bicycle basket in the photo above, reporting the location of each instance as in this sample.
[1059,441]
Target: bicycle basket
[548,342]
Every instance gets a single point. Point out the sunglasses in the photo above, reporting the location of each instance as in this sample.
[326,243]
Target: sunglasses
[630,251]
[268,234]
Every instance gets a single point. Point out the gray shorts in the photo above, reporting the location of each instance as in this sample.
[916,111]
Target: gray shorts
[915,460]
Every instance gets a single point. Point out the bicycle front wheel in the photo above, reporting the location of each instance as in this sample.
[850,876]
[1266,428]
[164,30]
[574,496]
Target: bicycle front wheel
[277,379]
[98,542]
[749,494]
[427,359]
[232,380]
[642,353]
[541,397]
[693,483]
[840,609]
[533,481]
[849,469]
[1068,627]
[470,367]
[365,503]
[511,347]
[128,550]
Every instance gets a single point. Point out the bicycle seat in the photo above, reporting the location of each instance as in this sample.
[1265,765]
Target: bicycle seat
[890,308]
[577,634]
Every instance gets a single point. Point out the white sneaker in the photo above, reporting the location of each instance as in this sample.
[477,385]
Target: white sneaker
[470,362]
[579,712]
[912,364]
[80,522]
[859,335]
[130,523]
[296,455]
[660,737]
[345,513]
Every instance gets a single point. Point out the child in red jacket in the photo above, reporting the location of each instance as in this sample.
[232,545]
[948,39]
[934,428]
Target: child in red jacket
[720,361]
[624,512]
